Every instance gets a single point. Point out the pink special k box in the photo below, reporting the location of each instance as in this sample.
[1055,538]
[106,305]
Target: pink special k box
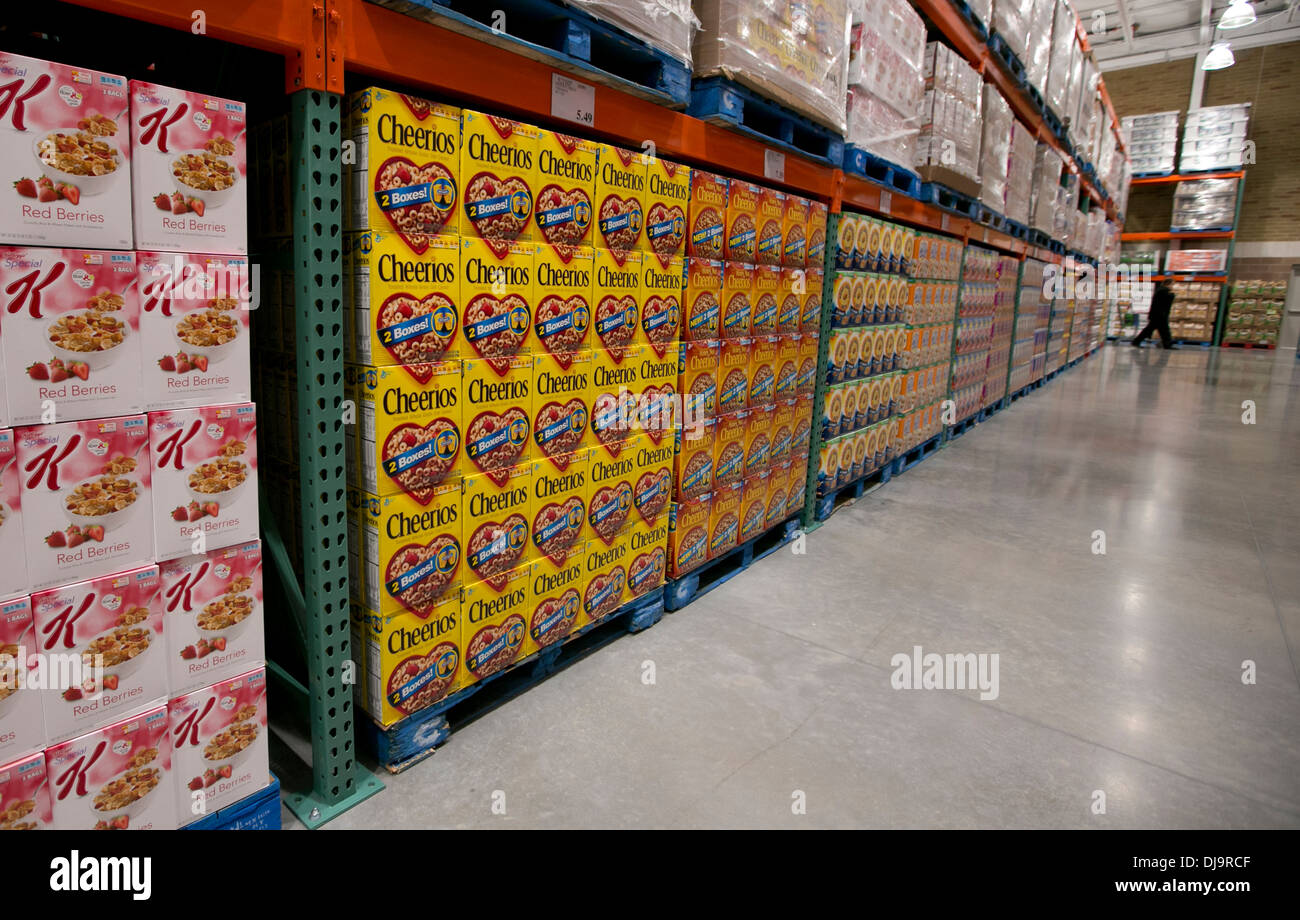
[71,333]
[115,778]
[204,478]
[66,152]
[194,318]
[86,498]
[22,722]
[25,794]
[213,609]
[103,638]
[13,543]
[189,170]
[219,745]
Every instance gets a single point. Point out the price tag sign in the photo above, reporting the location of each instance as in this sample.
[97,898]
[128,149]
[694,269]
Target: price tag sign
[943,221]
[774,165]
[886,199]
[573,101]
[986,234]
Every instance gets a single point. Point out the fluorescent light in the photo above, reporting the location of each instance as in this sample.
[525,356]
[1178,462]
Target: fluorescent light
[1238,15]
[1219,57]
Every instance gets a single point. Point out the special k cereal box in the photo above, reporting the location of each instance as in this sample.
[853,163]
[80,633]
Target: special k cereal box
[708,216]
[413,661]
[498,294]
[405,303]
[566,182]
[212,608]
[762,369]
[737,300]
[794,230]
[668,195]
[25,794]
[758,439]
[496,523]
[742,222]
[411,430]
[189,170]
[688,534]
[620,198]
[67,148]
[769,245]
[766,298]
[86,498]
[497,399]
[561,405]
[693,460]
[610,490]
[406,177]
[412,552]
[733,373]
[563,290]
[498,178]
[702,307]
[789,300]
[698,380]
[647,566]
[810,310]
[724,519]
[616,299]
[653,487]
[13,543]
[605,586]
[662,282]
[71,333]
[729,449]
[22,719]
[204,478]
[556,597]
[753,506]
[817,215]
[115,778]
[219,744]
[557,509]
[110,632]
[494,623]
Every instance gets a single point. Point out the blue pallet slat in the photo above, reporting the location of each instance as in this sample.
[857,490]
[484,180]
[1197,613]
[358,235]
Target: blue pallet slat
[881,171]
[998,45]
[922,451]
[949,199]
[258,811]
[844,495]
[679,592]
[719,100]
[981,29]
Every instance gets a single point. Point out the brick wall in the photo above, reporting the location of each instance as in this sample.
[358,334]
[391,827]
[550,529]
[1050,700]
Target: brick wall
[1157,88]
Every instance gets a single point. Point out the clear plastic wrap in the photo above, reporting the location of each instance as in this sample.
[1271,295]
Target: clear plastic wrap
[982,9]
[995,149]
[1059,62]
[1215,138]
[790,52]
[1038,44]
[879,129]
[886,54]
[1011,19]
[668,26]
[1047,189]
[1020,174]
[950,113]
[1152,141]
[1204,204]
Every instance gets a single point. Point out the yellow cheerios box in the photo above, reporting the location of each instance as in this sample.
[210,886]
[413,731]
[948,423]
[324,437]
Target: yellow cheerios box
[794,231]
[561,404]
[557,586]
[658,402]
[610,488]
[410,427]
[412,662]
[605,585]
[742,221]
[497,400]
[620,198]
[411,551]
[648,550]
[653,487]
[498,170]
[766,299]
[566,185]
[616,299]
[497,298]
[667,197]
[494,623]
[817,215]
[405,304]
[557,509]
[496,523]
[770,243]
[564,281]
[662,283]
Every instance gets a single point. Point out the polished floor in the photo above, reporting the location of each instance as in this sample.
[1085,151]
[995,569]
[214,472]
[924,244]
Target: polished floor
[1121,700]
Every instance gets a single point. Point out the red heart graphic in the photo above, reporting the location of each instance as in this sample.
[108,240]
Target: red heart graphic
[437,444]
[554,618]
[503,226]
[609,510]
[485,655]
[504,126]
[434,565]
[616,323]
[420,108]
[400,319]
[491,451]
[422,373]
[651,494]
[660,317]
[620,225]
[550,424]
[415,666]
[568,143]
[646,571]
[612,418]
[495,327]
[563,234]
[415,222]
[666,230]
[657,411]
[504,542]
[570,334]
[556,527]
[605,593]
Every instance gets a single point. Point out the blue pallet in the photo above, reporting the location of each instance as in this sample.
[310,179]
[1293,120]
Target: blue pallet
[1222,229]
[950,200]
[1018,230]
[991,218]
[258,811]
[1152,175]
[1039,238]
[679,592]
[1035,96]
[579,42]
[969,15]
[721,101]
[1010,60]
[957,429]
[839,497]
[1056,246]
[891,175]
[404,744]
[1053,122]
[922,451]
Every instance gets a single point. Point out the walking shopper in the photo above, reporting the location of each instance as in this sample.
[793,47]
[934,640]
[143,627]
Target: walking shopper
[1162,301]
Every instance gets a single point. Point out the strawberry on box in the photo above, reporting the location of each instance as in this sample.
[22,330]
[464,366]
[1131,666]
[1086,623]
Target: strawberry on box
[205,478]
[189,168]
[101,644]
[25,795]
[219,746]
[67,157]
[13,548]
[71,333]
[22,724]
[213,607]
[115,778]
[194,328]
[86,498]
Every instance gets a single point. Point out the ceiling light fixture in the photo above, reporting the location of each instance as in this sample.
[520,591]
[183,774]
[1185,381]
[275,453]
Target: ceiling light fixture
[1219,57]
[1238,15]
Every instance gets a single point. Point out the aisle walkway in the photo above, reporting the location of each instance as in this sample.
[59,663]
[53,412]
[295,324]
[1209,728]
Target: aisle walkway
[1118,674]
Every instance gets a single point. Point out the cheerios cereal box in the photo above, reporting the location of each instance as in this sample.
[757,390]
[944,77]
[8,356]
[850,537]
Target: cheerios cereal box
[610,491]
[806,380]
[702,309]
[494,623]
[405,304]
[778,485]
[616,300]
[566,183]
[620,198]
[736,300]
[667,198]
[758,439]
[498,179]
[212,609]
[22,719]
[742,221]
[647,565]
[763,366]
[846,238]
[653,487]
[708,216]
[25,794]
[497,523]
[693,460]
[810,310]
[563,290]
[753,506]
[497,300]
[605,587]
[557,508]
[729,448]
[406,174]
[497,407]
[13,542]
[662,283]
[86,498]
[111,630]
[688,534]
[796,491]
[733,375]
[556,597]
[794,231]
[658,403]
[816,234]
[189,170]
[782,431]
[724,519]
[766,298]
[67,148]
[411,429]
[769,245]
[413,661]
[413,553]
[115,778]
[698,380]
[71,333]
[789,299]
[561,410]
[787,366]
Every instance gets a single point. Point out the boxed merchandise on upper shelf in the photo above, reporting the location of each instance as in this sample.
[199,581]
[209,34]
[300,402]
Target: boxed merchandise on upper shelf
[995,149]
[1215,138]
[1151,141]
[949,146]
[1038,43]
[1012,20]
[1059,92]
[1205,204]
[1020,174]
[886,79]
[667,26]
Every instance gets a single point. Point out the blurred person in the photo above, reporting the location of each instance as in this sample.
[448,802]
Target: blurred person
[1162,301]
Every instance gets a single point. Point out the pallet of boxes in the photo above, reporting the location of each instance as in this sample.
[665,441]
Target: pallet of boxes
[1255,310]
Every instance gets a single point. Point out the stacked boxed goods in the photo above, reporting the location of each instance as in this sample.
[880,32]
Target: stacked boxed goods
[974,329]
[778,50]
[1059,69]
[1085,121]
[1195,309]
[1004,318]
[1029,336]
[1151,142]
[983,10]
[1205,204]
[1215,138]
[948,148]
[1012,20]
[931,308]
[1255,310]
[995,149]
[1038,44]
[1062,318]
[1020,174]
[1046,190]
[1196,261]
[886,79]
[666,26]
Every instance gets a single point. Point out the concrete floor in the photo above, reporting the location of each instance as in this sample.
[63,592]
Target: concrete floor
[1119,673]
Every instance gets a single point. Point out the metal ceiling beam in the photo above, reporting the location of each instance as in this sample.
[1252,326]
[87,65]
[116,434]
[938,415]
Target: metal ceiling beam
[1126,23]
[1146,56]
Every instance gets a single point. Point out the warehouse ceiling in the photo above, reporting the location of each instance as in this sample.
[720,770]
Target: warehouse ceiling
[1133,33]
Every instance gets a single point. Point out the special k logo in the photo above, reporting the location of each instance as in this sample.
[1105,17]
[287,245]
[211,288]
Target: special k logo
[14,98]
[26,290]
[186,733]
[59,630]
[73,779]
[172,449]
[154,125]
[180,592]
[46,464]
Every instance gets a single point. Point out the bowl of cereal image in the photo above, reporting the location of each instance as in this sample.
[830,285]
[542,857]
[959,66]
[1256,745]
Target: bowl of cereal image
[225,617]
[129,793]
[207,176]
[92,336]
[222,480]
[213,333]
[121,650]
[232,745]
[86,161]
[109,501]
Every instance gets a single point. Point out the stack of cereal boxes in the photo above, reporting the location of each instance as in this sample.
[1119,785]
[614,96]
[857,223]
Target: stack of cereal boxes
[929,314]
[514,296]
[750,327]
[132,685]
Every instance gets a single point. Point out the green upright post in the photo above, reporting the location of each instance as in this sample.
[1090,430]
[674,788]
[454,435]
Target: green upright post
[810,521]
[1227,267]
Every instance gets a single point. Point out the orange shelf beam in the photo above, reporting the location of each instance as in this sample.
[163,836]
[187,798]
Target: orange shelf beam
[1183,177]
[1180,235]
[1216,279]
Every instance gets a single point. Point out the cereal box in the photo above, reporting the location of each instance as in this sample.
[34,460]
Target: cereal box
[25,794]
[828,467]
[497,400]
[699,380]
[411,427]
[648,565]
[615,381]
[204,478]
[412,552]
[733,369]
[846,238]
[762,369]
[778,484]
[494,623]
[769,245]
[810,311]
[86,487]
[563,290]
[561,405]
[668,195]
[566,182]
[708,215]
[605,586]
[724,519]
[71,333]
[556,597]
[736,299]
[842,299]
[13,545]
[661,302]
[693,461]
[766,299]
[413,661]
[405,305]
[115,778]
[753,506]
[406,174]
[557,509]
[729,449]
[782,431]
[497,293]
[817,215]
[657,402]
[194,328]
[742,221]
[787,366]
[617,299]
[794,231]
[653,487]
[220,748]
[832,410]
[212,607]
[688,534]
[69,155]
[806,380]
[758,439]
[620,198]
[789,300]
[103,643]
[22,720]
[703,293]
[189,170]
[498,177]
[496,524]
[610,492]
